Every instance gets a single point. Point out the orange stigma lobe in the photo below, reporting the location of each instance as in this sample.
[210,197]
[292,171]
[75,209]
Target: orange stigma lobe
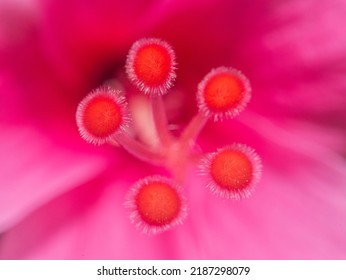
[102,116]
[231,170]
[152,64]
[223,91]
[158,203]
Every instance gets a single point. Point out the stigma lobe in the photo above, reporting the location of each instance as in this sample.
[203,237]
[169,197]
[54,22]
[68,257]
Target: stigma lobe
[101,115]
[223,93]
[151,65]
[157,204]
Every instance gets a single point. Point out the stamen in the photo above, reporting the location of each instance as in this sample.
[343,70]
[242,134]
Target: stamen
[193,129]
[160,120]
[151,65]
[139,150]
[223,93]
[102,115]
[232,172]
[156,204]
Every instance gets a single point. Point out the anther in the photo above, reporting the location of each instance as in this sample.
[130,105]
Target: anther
[223,93]
[151,65]
[232,172]
[156,204]
[102,115]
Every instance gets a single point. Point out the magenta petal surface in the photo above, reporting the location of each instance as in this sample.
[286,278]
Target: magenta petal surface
[35,169]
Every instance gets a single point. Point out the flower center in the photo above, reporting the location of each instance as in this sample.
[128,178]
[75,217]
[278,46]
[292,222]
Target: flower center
[156,202]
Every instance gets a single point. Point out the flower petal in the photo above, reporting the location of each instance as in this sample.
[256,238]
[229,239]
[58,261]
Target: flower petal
[294,56]
[35,169]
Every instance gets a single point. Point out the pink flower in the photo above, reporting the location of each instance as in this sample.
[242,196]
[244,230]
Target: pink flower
[62,198]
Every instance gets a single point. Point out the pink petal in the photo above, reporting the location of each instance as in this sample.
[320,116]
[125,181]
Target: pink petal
[35,169]
[294,57]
